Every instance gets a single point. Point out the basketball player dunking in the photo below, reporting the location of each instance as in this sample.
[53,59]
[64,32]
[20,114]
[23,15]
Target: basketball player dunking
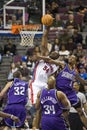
[42,69]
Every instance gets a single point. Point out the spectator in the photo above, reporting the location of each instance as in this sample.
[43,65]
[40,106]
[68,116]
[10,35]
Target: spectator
[19,18]
[71,9]
[14,20]
[86,42]
[79,51]
[9,49]
[71,24]
[63,52]
[24,70]
[58,22]
[30,65]
[26,16]
[80,61]
[54,8]
[85,63]
[85,15]
[62,3]
[48,8]
[82,72]
[80,8]
[77,37]
[1,22]
[13,69]
[70,45]
[64,36]
[18,14]
[74,119]
[55,45]
[29,51]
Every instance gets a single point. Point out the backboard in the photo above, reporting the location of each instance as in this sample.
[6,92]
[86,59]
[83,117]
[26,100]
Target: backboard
[22,13]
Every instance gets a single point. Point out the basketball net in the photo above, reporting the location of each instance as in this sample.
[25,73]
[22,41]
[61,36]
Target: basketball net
[27,36]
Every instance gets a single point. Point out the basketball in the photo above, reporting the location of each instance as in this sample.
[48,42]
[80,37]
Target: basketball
[47,20]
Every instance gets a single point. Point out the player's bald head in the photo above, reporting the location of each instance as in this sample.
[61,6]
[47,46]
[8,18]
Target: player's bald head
[54,55]
[51,82]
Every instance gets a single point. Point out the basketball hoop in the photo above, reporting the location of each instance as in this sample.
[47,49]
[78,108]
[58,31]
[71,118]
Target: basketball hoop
[27,33]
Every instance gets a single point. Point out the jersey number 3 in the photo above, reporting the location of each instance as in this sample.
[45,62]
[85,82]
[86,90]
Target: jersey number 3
[49,109]
[19,90]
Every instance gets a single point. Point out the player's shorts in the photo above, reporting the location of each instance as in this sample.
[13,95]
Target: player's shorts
[16,110]
[71,95]
[3,124]
[53,123]
[34,89]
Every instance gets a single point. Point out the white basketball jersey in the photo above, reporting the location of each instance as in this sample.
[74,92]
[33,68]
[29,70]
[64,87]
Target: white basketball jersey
[42,71]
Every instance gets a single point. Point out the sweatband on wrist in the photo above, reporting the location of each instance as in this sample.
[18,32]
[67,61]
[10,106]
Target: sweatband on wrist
[11,116]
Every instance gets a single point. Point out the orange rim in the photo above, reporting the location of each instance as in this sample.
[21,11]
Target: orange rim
[16,28]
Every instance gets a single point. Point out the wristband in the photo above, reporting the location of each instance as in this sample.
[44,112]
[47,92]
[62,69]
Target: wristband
[11,116]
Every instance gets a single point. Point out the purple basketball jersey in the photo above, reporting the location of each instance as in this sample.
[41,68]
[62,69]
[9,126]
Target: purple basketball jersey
[18,92]
[51,111]
[17,99]
[64,83]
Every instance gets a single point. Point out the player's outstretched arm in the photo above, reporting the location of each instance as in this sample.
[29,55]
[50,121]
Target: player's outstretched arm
[49,60]
[56,62]
[5,115]
[82,81]
[44,48]
[5,89]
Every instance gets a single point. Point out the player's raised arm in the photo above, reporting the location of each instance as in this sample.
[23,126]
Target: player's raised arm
[46,20]
[44,48]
